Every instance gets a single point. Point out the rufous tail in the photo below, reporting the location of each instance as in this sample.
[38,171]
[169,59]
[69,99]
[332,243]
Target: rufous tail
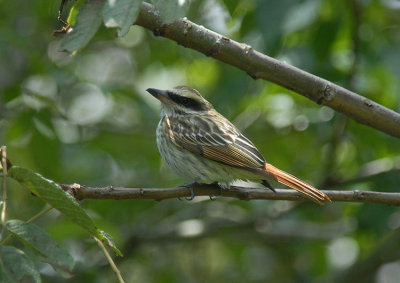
[297,184]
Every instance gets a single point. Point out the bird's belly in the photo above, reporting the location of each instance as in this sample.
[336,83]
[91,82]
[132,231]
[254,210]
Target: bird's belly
[196,167]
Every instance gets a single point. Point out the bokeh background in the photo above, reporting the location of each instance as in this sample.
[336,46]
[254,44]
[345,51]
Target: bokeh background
[87,119]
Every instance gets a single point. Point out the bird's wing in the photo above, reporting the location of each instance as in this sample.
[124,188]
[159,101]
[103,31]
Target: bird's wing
[215,139]
[219,140]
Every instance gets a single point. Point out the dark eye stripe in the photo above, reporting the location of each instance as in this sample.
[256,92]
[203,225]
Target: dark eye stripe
[185,101]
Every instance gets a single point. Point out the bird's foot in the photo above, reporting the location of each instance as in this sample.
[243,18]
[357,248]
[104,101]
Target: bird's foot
[213,197]
[189,186]
[267,185]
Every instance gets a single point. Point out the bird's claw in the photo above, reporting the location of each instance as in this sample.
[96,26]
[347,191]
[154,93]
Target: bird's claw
[214,197]
[189,186]
[191,194]
[266,184]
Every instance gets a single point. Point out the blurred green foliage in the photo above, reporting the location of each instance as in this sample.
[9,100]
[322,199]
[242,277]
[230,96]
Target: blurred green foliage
[87,119]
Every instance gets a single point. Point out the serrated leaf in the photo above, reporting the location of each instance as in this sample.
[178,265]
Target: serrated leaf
[88,20]
[121,13]
[106,238]
[41,243]
[14,265]
[53,194]
[171,10]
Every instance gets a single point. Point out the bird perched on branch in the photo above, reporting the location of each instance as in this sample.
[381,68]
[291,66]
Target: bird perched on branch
[199,143]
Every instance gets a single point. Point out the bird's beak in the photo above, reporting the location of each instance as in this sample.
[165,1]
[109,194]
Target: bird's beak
[161,95]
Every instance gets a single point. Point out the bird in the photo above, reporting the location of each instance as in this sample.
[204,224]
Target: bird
[199,143]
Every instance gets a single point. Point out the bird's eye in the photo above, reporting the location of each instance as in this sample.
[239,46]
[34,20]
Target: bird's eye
[185,101]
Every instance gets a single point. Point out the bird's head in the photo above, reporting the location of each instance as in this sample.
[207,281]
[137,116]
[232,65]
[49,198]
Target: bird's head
[181,100]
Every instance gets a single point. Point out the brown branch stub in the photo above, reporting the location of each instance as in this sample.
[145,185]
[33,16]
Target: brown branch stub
[261,66]
[3,153]
[117,193]
[4,167]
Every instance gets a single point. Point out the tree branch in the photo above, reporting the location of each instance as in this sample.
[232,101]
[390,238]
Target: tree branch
[261,66]
[117,193]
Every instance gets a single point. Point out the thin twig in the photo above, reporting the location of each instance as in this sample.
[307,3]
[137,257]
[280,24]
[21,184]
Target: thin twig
[261,66]
[341,120]
[4,200]
[116,193]
[110,260]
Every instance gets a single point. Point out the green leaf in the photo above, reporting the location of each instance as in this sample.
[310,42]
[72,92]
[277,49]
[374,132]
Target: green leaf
[53,194]
[14,265]
[121,13]
[106,238]
[88,21]
[231,5]
[74,11]
[41,243]
[171,10]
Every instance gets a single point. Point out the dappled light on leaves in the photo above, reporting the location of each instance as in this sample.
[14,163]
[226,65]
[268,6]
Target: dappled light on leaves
[342,252]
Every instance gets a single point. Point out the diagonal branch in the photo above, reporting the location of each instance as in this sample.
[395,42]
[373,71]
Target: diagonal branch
[117,193]
[261,66]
